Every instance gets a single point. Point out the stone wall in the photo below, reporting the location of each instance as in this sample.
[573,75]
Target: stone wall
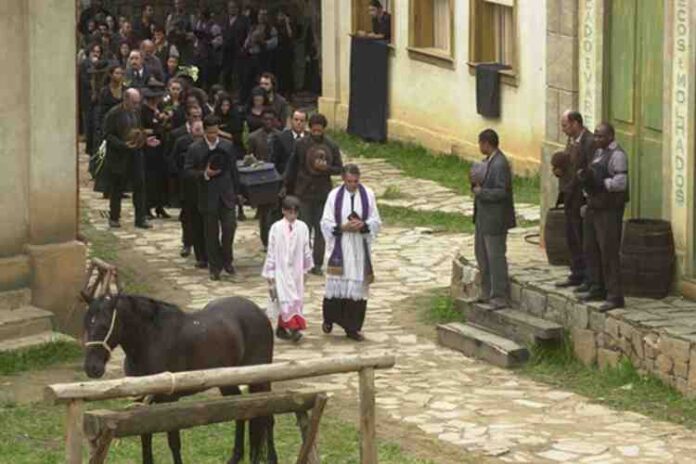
[561,87]
[657,336]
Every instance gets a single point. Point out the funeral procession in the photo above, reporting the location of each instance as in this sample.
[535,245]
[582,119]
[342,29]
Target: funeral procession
[348,232]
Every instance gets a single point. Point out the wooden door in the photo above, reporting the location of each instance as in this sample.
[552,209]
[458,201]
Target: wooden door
[634,99]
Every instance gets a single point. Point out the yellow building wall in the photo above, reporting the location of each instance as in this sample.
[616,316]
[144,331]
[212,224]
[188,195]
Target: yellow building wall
[436,106]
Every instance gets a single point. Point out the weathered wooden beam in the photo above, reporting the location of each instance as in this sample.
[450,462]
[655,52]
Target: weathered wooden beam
[185,414]
[99,447]
[368,430]
[309,452]
[73,432]
[168,383]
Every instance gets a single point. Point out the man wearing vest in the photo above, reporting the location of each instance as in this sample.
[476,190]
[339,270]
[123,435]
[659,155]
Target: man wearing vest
[605,183]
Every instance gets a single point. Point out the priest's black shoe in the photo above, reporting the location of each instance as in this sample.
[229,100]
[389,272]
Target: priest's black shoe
[357,336]
[230,269]
[185,251]
[215,276]
[114,224]
[327,327]
[295,335]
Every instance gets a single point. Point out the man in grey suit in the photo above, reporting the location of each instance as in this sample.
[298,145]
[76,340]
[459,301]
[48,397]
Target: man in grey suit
[494,215]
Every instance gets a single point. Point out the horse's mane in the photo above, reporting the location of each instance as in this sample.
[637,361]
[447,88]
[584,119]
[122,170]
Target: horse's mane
[150,308]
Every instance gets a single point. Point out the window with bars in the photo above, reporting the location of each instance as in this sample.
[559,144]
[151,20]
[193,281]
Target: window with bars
[493,35]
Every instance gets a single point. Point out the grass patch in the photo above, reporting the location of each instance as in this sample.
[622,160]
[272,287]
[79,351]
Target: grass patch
[438,221]
[417,161]
[104,245]
[34,433]
[39,357]
[621,387]
[392,193]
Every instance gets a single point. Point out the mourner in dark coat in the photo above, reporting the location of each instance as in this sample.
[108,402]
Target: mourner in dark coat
[137,75]
[494,215]
[260,142]
[235,28]
[577,156]
[212,163]
[605,182]
[283,146]
[124,159]
[156,169]
[308,177]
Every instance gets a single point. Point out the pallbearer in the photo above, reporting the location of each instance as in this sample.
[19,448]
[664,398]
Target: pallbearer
[288,259]
[350,224]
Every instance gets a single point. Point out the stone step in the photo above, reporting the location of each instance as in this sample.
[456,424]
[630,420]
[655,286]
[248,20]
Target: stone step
[477,343]
[515,324]
[23,322]
[13,299]
[464,304]
[32,341]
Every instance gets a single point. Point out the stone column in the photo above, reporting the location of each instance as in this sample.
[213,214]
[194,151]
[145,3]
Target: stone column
[561,86]
[38,182]
[330,44]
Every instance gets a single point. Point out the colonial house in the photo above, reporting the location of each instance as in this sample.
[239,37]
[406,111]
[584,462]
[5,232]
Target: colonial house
[435,50]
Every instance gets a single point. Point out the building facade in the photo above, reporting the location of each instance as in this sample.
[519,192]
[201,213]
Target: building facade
[633,65]
[38,181]
[436,46]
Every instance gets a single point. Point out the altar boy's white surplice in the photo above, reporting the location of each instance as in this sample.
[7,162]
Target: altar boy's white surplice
[352,284]
[289,257]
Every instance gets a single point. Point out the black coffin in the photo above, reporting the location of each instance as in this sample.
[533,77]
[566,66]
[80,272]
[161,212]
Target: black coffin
[260,183]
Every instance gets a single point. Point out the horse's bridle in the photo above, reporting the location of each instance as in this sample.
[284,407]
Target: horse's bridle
[104,343]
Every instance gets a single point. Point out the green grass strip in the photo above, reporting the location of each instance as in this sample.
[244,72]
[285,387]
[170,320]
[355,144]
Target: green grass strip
[419,162]
[39,357]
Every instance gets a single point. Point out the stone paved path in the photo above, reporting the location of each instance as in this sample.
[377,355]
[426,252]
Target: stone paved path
[458,400]
[421,194]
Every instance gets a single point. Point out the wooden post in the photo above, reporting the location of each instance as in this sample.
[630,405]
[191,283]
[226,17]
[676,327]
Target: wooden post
[368,432]
[74,434]
[100,448]
[309,452]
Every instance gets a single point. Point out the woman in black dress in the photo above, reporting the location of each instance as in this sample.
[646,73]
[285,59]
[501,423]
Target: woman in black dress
[123,53]
[110,95]
[231,122]
[156,169]
[254,116]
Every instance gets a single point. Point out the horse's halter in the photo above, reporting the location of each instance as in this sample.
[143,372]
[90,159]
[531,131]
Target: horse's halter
[104,343]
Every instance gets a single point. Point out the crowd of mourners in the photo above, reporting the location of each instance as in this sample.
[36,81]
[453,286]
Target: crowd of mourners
[171,113]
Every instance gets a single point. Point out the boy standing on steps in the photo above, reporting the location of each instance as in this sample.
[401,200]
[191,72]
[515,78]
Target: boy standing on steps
[288,259]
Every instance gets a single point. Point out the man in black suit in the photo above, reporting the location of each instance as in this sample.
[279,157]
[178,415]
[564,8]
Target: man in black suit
[137,75]
[308,177]
[212,163]
[494,215]
[192,235]
[579,151]
[283,145]
[235,29]
[124,162]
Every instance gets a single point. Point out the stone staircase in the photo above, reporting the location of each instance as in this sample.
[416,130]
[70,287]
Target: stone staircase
[23,325]
[501,337]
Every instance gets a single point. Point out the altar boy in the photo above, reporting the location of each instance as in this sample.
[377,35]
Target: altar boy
[288,259]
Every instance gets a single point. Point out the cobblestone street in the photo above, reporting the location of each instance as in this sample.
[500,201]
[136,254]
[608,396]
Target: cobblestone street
[461,401]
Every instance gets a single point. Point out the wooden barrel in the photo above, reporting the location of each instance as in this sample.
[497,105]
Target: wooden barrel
[557,250]
[647,258]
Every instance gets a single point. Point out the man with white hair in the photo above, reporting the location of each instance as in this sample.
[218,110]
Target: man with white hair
[151,63]
[124,164]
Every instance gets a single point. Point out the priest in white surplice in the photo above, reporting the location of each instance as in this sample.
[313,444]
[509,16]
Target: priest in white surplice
[288,259]
[350,224]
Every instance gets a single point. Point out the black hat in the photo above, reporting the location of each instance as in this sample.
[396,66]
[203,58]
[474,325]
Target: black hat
[152,92]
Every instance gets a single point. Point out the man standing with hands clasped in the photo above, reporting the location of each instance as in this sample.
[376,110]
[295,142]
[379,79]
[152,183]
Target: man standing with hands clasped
[494,215]
[350,225]
[605,182]
[212,163]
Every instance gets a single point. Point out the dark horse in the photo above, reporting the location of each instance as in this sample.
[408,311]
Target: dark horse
[159,337]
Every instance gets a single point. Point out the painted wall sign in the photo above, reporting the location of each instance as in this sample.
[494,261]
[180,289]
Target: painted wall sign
[680,101]
[590,56]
